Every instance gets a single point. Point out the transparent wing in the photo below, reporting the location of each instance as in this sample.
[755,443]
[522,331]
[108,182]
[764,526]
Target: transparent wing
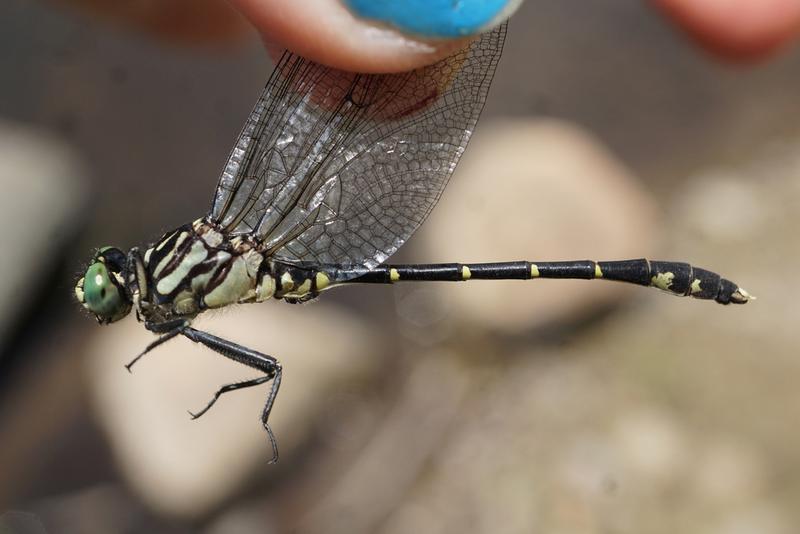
[338,167]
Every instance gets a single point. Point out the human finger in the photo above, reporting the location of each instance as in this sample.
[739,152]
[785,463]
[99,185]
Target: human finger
[373,35]
[737,29]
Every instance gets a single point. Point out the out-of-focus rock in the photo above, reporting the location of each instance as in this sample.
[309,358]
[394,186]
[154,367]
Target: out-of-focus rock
[653,445]
[248,518]
[184,467]
[723,206]
[43,187]
[729,473]
[756,518]
[537,190]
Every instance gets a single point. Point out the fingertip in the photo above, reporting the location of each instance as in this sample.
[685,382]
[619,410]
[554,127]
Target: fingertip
[326,32]
[435,18]
[737,29]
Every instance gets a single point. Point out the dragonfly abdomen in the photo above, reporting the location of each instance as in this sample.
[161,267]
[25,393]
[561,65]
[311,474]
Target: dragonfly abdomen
[677,278]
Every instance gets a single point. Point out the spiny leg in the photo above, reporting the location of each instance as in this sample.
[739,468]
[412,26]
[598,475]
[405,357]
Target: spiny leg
[228,388]
[257,360]
[276,384]
[173,330]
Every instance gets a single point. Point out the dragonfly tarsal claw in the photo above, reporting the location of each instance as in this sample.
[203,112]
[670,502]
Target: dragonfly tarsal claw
[197,415]
[273,442]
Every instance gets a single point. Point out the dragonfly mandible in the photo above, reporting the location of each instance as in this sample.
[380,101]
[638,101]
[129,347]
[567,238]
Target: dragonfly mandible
[331,174]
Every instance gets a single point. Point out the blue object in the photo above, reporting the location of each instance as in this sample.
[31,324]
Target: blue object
[435,18]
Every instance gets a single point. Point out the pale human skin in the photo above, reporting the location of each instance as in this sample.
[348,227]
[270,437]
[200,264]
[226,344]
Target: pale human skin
[732,29]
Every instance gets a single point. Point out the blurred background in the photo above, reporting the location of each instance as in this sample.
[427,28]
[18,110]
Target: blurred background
[545,406]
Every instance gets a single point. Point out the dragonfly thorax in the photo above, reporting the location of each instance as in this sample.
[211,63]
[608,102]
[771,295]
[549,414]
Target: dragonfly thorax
[197,267]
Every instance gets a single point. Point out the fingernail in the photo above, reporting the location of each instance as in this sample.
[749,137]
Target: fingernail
[435,18]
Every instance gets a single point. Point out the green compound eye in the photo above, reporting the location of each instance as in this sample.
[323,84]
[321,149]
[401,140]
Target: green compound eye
[100,292]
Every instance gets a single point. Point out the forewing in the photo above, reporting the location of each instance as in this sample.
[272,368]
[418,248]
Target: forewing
[340,168]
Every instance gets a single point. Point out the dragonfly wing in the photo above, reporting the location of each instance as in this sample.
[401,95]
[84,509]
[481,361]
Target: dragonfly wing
[338,167]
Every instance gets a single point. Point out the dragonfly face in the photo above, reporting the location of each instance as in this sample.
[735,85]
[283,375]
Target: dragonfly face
[102,289]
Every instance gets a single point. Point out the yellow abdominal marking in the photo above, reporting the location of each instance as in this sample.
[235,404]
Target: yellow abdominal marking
[465,273]
[598,273]
[534,270]
[301,291]
[662,281]
[394,276]
[696,286]
[322,281]
[287,283]
[265,289]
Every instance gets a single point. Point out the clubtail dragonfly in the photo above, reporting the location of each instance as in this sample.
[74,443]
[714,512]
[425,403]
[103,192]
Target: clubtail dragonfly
[332,173]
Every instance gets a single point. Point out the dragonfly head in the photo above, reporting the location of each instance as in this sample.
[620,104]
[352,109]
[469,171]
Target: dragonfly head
[102,289]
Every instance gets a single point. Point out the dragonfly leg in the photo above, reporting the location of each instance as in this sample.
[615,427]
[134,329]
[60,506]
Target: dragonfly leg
[227,388]
[171,330]
[257,360]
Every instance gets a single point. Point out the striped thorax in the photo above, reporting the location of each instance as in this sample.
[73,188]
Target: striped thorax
[196,267]
[190,269]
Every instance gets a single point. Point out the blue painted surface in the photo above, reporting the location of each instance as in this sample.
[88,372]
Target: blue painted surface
[432,18]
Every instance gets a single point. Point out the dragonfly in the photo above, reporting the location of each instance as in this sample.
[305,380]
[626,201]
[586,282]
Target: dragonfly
[331,174]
